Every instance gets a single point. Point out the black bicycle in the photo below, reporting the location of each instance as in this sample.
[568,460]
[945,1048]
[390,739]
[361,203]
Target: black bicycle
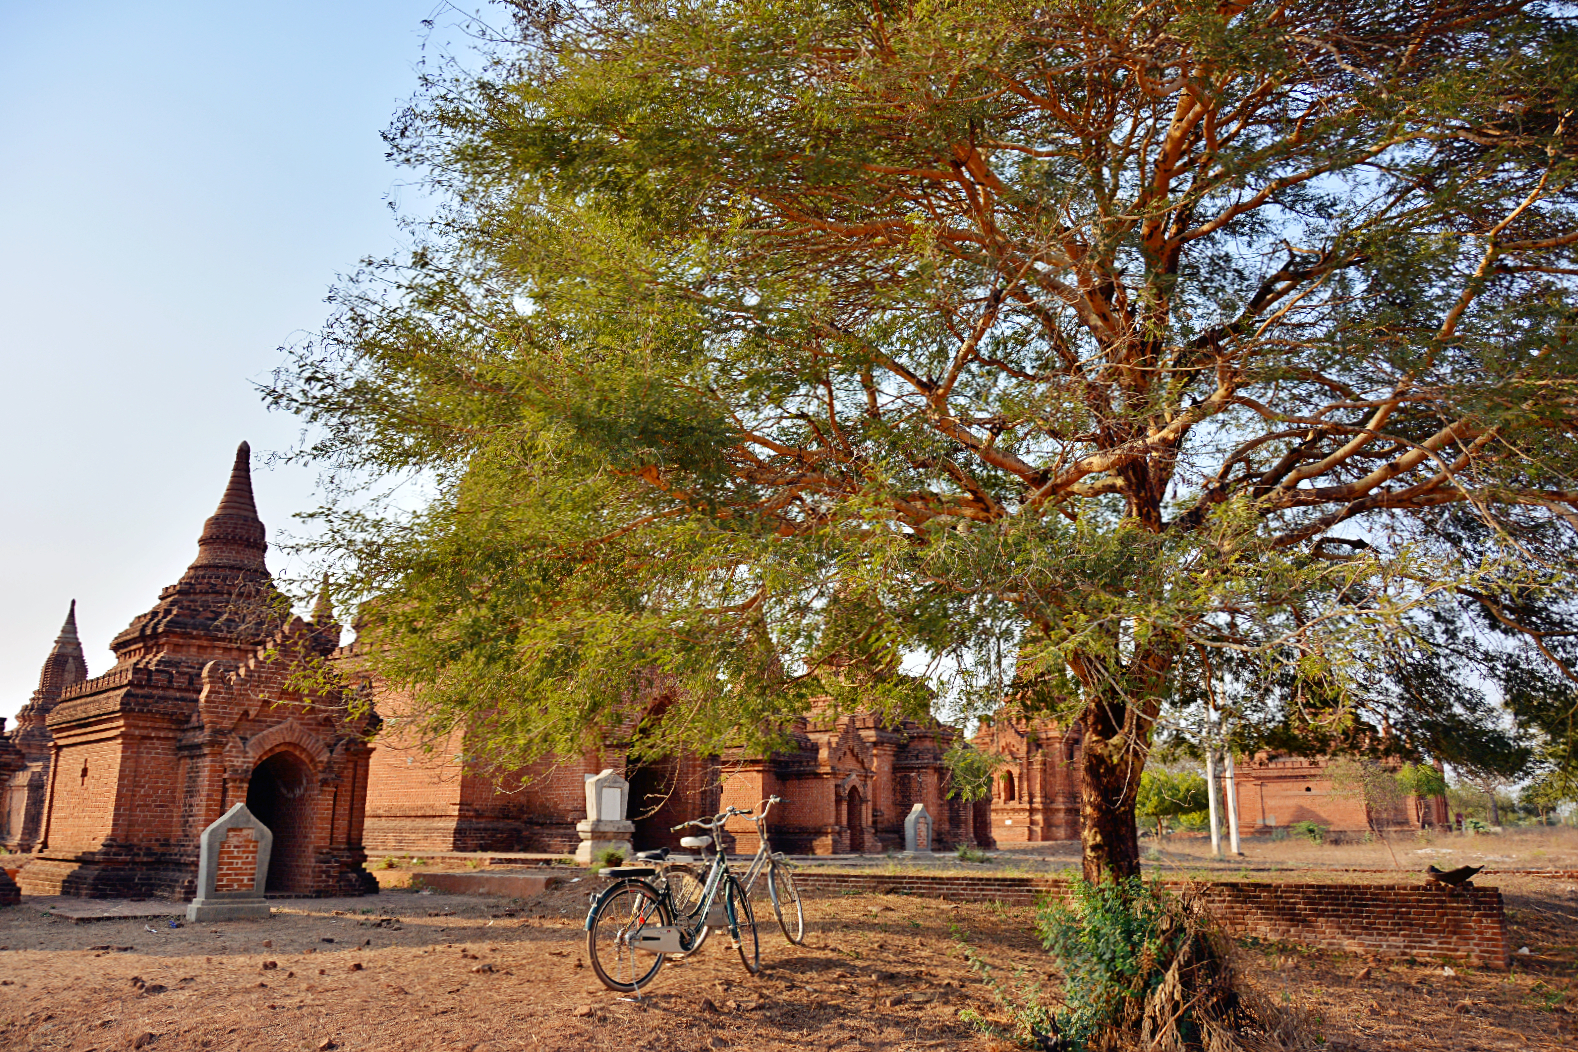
[650,912]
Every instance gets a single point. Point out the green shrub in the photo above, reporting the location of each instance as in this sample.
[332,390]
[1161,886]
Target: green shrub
[1145,969]
[1315,834]
[966,853]
[610,857]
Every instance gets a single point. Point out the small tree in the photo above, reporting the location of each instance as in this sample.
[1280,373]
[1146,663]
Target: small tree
[1164,794]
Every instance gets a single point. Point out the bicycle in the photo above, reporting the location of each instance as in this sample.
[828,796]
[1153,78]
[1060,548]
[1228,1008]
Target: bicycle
[780,881]
[619,921]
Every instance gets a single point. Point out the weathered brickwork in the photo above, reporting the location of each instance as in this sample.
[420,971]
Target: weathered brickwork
[1035,797]
[848,781]
[1387,920]
[1276,792]
[216,697]
[423,797]
[237,865]
[22,793]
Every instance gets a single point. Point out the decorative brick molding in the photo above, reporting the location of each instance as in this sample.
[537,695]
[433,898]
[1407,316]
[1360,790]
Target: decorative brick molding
[1387,920]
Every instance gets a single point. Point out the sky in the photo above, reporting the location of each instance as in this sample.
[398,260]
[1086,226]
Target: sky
[180,184]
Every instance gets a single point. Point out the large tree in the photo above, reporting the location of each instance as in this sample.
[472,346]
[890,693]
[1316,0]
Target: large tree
[764,350]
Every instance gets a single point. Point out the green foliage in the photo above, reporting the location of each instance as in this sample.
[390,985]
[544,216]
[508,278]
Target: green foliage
[970,771]
[1165,794]
[1106,941]
[1315,834]
[760,352]
[1145,969]
[611,857]
[968,853]
[1421,780]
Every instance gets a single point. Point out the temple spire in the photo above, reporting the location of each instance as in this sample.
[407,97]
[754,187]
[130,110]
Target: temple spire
[233,536]
[65,667]
[68,631]
[323,609]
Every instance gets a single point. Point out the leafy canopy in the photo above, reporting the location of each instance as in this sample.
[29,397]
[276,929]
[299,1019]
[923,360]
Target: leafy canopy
[764,350]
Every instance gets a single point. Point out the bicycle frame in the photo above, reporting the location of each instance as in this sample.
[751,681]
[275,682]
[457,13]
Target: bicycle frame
[763,853]
[686,935]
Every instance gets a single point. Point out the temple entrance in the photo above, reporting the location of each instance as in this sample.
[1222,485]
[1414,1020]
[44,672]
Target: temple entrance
[856,814]
[981,822]
[655,806]
[280,796]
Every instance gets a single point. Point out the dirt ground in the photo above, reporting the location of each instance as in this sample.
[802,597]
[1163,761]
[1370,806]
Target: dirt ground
[424,971]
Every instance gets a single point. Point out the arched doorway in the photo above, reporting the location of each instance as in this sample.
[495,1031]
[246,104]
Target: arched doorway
[655,805]
[856,814]
[280,795]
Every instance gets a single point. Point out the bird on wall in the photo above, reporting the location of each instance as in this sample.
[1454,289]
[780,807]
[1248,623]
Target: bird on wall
[1457,878]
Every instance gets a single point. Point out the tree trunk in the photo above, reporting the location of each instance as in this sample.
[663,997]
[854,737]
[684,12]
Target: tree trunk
[1495,811]
[1117,744]
[1109,790]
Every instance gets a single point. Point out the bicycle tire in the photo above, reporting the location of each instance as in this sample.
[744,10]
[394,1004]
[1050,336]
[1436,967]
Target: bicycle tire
[746,940]
[786,902]
[631,900]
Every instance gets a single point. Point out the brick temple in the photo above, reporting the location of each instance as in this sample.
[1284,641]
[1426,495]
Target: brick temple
[848,781]
[216,696]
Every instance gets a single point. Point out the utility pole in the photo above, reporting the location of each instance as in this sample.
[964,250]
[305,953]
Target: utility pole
[1210,795]
[1210,778]
[1232,803]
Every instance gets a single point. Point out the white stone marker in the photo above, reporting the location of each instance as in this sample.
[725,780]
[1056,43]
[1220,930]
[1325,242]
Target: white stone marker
[917,829]
[605,828]
[232,868]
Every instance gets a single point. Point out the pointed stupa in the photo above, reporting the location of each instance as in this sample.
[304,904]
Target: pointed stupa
[227,593]
[65,667]
[233,536]
[323,609]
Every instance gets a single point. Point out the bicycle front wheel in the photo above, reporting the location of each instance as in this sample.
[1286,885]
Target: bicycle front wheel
[745,926]
[786,902]
[611,930]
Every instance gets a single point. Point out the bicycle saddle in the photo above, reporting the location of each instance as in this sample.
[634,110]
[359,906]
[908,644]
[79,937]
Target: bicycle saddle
[696,842]
[653,856]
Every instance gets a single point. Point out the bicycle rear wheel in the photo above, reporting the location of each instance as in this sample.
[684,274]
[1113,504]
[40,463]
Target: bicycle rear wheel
[786,901]
[624,910]
[748,944]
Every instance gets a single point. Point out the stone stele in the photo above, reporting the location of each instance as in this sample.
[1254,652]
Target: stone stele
[232,869]
[605,828]
[917,829]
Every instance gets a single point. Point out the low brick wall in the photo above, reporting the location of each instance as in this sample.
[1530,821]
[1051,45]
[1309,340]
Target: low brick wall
[1388,920]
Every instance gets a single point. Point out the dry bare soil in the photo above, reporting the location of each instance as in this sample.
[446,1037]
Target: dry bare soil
[421,971]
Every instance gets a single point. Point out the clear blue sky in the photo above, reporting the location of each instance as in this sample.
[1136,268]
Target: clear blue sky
[181,184]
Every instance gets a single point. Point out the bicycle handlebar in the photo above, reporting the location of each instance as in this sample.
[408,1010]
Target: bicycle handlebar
[714,822]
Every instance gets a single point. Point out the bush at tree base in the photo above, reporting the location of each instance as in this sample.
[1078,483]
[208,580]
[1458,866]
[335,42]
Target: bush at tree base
[1147,969]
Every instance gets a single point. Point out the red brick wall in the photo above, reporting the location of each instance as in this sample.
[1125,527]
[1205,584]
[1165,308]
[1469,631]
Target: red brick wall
[237,866]
[1277,793]
[1389,920]
[86,777]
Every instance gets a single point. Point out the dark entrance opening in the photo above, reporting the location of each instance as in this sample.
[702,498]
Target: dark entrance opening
[981,821]
[856,813]
[656,806]
[280,796]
